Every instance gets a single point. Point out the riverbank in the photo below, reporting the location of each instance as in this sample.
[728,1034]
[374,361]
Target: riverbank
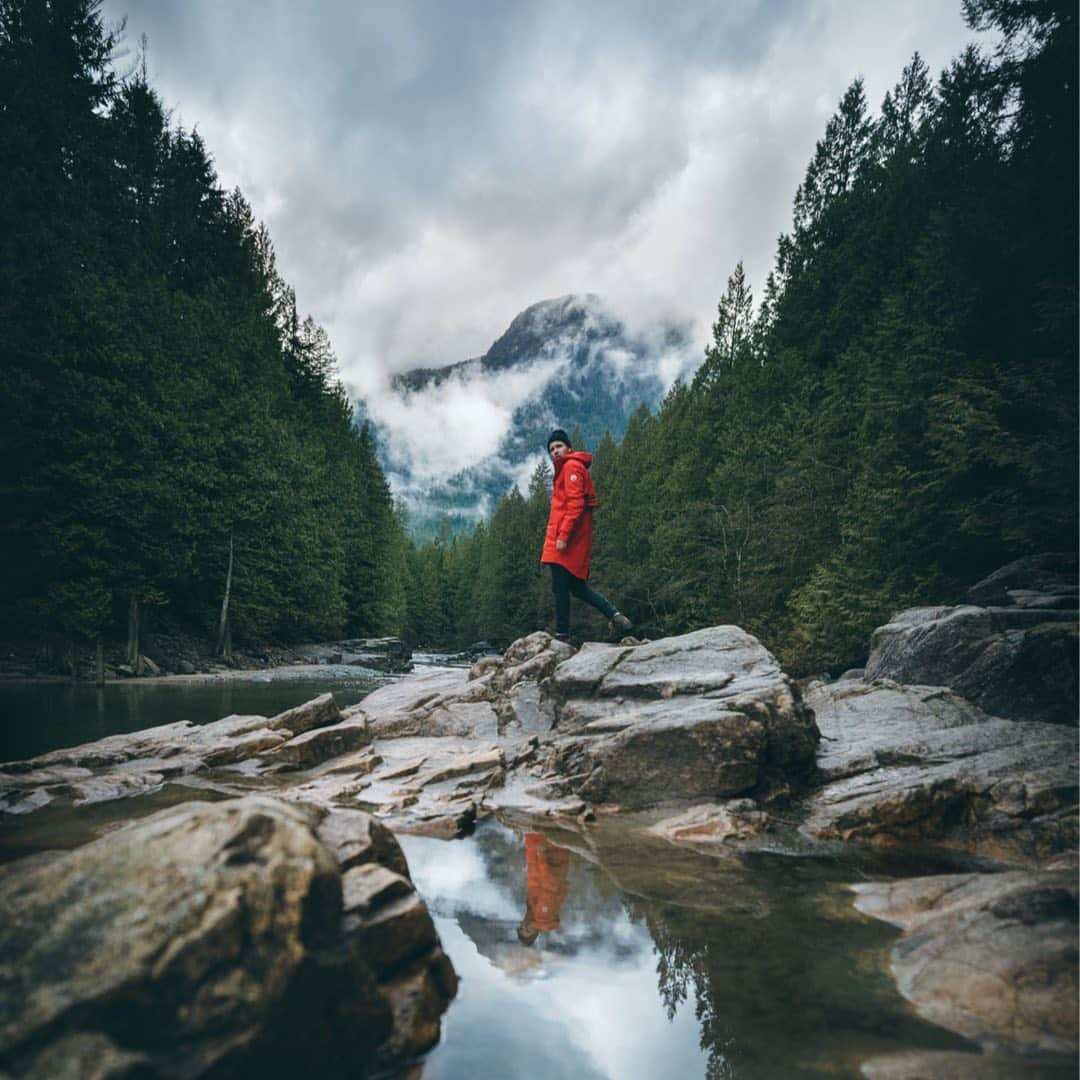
[178,654]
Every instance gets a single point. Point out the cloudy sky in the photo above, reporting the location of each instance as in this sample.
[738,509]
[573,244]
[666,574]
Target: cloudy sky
[428,168]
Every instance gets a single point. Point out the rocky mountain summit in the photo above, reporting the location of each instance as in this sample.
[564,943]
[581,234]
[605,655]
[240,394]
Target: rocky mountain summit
[700,741]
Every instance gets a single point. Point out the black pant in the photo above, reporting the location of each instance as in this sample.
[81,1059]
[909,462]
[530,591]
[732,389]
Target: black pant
[563,585]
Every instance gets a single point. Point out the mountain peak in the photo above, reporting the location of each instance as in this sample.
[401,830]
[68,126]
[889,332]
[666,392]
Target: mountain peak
[566,361]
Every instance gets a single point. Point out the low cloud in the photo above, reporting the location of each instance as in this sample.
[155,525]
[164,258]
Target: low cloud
[441,430]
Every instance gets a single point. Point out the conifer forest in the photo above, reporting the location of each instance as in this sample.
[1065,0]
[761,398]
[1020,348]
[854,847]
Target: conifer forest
[888,417]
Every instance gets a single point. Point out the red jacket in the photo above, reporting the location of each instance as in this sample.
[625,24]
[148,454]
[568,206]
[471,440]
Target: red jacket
[573,498]
[546,887]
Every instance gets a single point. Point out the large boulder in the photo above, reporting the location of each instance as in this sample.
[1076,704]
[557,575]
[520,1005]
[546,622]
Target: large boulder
[919,764]
[698,717]
[989,956]
[214,938]
[1014,655]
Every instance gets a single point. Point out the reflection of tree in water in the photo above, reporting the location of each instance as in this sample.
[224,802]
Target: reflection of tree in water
[795,987]
[682,965]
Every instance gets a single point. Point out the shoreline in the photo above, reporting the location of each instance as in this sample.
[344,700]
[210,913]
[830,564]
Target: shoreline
[280,673]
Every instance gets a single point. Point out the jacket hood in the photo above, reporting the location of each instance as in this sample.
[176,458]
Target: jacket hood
[582,456]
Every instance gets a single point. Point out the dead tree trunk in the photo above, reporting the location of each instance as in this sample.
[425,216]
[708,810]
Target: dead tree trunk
[74,649]
[99,663]
[224,637]
[133,631]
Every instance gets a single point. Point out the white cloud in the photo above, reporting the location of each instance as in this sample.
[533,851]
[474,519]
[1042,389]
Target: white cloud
[429,170]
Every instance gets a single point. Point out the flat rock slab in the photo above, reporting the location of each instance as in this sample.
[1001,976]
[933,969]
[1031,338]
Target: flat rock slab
[921,764]
[424,705]
[320,744]
[989,956]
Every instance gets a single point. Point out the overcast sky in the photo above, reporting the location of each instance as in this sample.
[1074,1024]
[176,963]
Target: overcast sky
[428,169]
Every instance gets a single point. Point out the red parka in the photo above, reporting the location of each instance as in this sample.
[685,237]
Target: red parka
[547,886]
[573,498]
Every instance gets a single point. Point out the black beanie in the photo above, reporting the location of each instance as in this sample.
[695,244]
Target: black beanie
[560,435]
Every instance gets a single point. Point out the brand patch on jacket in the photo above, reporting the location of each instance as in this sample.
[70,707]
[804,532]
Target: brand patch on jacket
[574,477]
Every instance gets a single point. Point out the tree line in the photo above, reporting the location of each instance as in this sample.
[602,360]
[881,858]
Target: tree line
[894,419]
[174,436]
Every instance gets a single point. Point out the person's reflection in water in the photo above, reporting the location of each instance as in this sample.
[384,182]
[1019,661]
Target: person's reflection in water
[546,887]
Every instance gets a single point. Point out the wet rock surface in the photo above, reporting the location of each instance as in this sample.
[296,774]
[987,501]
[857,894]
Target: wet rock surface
[183,941]
[990,956]
[916,764]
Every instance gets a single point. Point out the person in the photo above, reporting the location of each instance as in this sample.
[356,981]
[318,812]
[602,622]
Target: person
[568,540]
[546,886]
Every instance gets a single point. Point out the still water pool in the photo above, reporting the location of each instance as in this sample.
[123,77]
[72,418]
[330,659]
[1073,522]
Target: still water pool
[623,958]
[35,717]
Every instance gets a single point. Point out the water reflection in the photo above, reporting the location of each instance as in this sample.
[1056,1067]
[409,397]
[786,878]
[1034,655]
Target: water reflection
[547,866]
[639,960]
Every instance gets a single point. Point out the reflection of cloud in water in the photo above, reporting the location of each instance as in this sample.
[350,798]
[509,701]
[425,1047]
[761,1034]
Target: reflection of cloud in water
[454,879]
[581,1003]
[578,1016]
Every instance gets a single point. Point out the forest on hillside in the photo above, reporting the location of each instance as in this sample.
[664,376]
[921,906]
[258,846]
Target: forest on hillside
[892,420]
[173,432]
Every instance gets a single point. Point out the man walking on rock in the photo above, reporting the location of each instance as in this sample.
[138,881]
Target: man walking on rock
[568,541]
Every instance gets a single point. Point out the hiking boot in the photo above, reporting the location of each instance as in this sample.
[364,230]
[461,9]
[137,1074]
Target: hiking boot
[621,625]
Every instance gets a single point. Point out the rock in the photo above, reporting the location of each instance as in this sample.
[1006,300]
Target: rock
[185,667]
[989,956]
[695,717]
[525,710]
[388,654]
[370,885]
[920,764]
[532,658]
[320,712]
[403,708]
[149,667]
[1016,662]
[183,940]
[319,744]
[89,1056]
[1053,575]
[359,763]
[357,839]
[953,1065]
[483,761]
[135,763]
[698,750]
[714,824]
